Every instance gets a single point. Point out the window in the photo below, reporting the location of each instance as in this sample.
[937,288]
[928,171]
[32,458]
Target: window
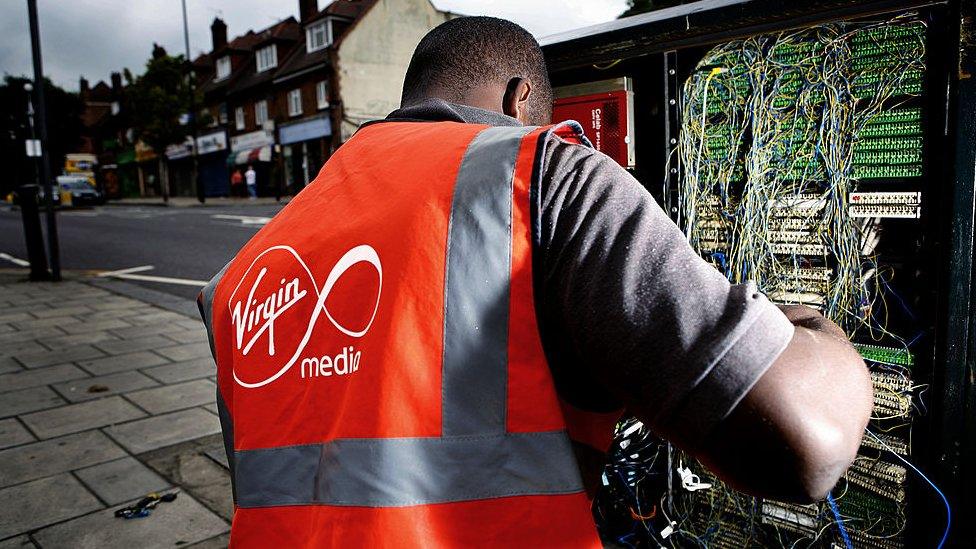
[222,113]
[239,118]
[321,95]
[260,112]
[295,102]
[223,68]
[267,58]
[318,36]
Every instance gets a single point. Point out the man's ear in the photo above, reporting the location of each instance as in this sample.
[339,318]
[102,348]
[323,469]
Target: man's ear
[516,100]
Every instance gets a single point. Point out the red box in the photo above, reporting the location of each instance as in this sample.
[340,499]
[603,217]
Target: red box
[606,116]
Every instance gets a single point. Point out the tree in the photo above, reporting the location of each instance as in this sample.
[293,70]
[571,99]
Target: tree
[158,102]
[641,6]
[64,130]
[158,99]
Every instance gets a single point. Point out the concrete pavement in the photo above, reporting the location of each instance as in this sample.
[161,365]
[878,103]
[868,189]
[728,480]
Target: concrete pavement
[104,398]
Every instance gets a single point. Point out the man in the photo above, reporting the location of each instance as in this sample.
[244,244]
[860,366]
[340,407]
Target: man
[251,178]
[406,350]
[236,181]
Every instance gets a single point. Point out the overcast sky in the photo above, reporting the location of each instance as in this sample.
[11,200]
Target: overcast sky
[95,37]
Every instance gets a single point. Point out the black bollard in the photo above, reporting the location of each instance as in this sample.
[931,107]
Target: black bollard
[27,196]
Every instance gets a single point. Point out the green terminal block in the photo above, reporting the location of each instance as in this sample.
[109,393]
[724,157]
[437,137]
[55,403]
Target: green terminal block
[885,355]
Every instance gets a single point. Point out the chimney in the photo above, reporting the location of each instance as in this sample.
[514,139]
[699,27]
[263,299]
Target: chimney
[83,88]
[307,9]
[116,82]
[218,33]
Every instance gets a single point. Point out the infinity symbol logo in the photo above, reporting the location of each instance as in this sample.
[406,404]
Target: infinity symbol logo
[253,317]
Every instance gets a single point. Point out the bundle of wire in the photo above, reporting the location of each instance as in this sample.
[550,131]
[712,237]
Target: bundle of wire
[769,153]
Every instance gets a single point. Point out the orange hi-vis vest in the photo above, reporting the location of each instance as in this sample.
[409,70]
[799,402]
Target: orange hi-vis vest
[381,380]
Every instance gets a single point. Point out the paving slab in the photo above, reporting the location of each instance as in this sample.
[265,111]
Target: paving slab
[121,480]
[9,350]
[24,542]
[50,457]
[182,371]
[181,522]
[116,303]
[192,323]
[33,378]
[95,326]
[189,466]
[170,398]
[73,340]
[29,400]
[133,332]
[36,323]
[80,417]
[121,363]
[8,364]
[218,454]
[186,352]
[189,336]
[61,311]
[43,502]
[20,316]
[114,313]
[102,386]
[131,345]
[160,431]
[157,317]
[219,542]
[13,433]
[61,356]
[29,335]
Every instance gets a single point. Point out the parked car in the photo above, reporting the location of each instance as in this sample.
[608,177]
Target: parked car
[82,193]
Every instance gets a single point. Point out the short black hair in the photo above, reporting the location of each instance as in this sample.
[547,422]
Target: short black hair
[469,52]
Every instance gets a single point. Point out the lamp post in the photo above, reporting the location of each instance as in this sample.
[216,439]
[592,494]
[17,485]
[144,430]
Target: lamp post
[45,172]
[201,195]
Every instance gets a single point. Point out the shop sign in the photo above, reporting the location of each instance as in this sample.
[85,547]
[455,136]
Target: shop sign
[252,140]
[212,142]
[313,128]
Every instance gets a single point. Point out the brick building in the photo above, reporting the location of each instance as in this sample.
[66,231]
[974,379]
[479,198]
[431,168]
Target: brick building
[286,96]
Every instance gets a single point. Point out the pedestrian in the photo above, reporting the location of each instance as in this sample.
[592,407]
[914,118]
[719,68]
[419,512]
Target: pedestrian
[428,344]
[251,177]
[237,183]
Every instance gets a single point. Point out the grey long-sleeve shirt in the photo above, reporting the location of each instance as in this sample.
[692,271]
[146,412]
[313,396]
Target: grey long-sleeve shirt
[628,312]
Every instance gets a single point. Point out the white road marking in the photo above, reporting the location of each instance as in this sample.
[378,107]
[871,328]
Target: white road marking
[244,219]
[15,260]
[164,280]
[128,271]
[129,274]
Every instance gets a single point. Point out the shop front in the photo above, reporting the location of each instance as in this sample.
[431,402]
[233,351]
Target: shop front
[305,147]
[148,166]
[127,173]
[212,163]
[179,169]
[254,149]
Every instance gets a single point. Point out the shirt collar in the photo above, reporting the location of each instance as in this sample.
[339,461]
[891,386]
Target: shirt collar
[438,110]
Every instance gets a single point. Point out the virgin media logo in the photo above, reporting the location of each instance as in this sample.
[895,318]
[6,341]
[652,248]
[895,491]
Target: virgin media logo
[275,309]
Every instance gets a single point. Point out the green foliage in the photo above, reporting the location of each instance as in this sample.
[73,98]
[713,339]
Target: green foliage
[64,129]
[157,99]
[641,6]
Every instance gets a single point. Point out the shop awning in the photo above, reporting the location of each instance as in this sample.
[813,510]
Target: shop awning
[260,154]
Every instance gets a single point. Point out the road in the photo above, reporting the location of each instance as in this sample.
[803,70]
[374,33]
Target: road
[185,244]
